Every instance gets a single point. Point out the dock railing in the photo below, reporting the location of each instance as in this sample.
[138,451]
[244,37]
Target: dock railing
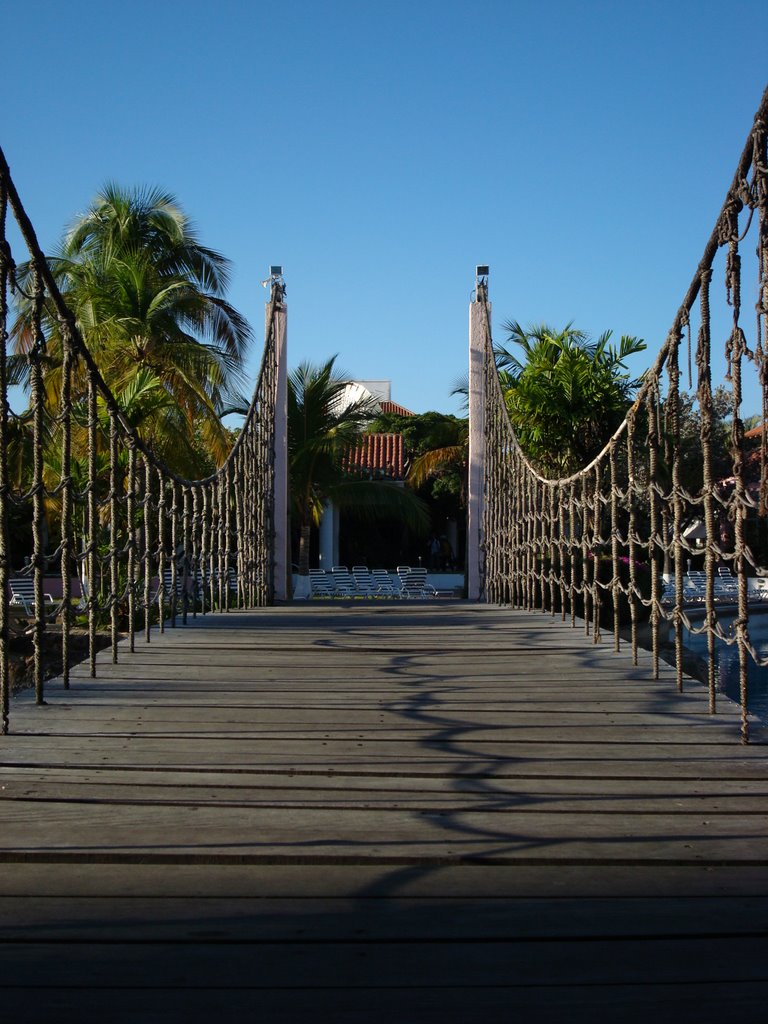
[665,491]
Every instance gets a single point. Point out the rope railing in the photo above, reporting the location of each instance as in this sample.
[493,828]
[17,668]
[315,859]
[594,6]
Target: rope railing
[147,544]
[611,544]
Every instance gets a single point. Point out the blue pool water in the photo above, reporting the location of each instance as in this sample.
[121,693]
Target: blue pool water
[727,663]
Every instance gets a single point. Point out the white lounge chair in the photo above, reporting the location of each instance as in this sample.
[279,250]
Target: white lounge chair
[387,586]
[22,589]
[414,583]
[320,584]
[168,593]
[726,582]
[230,576]
[697,584]
[364,581]
[343,581]
[691,592]
[723,589]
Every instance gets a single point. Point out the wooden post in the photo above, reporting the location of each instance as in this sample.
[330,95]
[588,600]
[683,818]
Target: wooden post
[477,330]
[282,579]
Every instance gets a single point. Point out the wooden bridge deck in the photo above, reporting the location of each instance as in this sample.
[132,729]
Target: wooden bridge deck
[403,814]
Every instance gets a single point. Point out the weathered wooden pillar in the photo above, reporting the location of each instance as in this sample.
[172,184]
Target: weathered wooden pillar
[479,310]
[280,499]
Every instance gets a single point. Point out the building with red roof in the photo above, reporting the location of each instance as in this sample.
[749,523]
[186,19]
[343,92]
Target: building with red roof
[375,457]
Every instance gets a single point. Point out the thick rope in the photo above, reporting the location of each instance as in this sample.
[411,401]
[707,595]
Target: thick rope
[582,540]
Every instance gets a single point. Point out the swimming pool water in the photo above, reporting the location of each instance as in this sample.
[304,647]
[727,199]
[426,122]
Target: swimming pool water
[727,663]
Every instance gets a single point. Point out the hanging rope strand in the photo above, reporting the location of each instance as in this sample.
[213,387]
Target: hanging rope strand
[114,539]
[65,490]
[6,264]
[644,480]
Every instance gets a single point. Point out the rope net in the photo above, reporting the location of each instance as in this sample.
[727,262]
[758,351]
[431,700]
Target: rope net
[146,545]
[613,544]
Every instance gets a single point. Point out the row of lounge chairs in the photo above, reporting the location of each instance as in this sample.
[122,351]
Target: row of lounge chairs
[409,583]
[726,587]
[197,582]
[22,592]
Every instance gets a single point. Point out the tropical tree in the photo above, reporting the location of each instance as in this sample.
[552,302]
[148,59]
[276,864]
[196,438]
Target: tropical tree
[688,416]
[436,447]
[442,460]
[147,296]
[566,394]
[322,430]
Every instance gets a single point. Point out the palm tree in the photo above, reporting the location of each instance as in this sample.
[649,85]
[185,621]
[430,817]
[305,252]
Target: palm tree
[449,453]
[322,429]
[568,394]
[148,296]
[147,220]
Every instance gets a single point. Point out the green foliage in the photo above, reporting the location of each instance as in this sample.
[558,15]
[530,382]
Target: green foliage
[436,450]
[421,433]
[148,300]
[321,431]
[567,394]
[691,455]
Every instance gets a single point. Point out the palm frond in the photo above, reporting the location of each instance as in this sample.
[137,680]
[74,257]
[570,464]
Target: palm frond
[377,500]
[432,462]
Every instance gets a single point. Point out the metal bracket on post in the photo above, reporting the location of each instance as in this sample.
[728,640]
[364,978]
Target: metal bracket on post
[477,340]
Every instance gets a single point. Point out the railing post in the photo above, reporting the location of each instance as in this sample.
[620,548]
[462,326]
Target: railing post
[281,578]
[479,310]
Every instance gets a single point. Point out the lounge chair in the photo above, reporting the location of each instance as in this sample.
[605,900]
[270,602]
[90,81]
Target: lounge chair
[230,576]
[320,584]
[697,584]
[724,589]
[364,581]
[168,585]
[691,591]
[414,583]
[387,586]
[343,581]
[726,582]
[22,600]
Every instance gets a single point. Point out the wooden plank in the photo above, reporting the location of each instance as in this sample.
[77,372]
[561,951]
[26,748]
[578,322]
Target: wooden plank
[705,1003]
[444,919]
[386,792]
[386,724]
[518,761]
[205,963]
[305,834]
[371,882]
[377,814]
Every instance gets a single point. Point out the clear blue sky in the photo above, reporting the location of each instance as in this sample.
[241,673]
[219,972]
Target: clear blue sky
[380,150]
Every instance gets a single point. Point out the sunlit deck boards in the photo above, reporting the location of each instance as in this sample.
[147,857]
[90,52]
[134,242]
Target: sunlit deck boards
[438,813]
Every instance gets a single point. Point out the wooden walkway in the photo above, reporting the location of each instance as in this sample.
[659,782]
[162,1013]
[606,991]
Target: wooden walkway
[406,814]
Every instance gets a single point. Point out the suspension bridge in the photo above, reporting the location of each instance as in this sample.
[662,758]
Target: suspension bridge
[370,810]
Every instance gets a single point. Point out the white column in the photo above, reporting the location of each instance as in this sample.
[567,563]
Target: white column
[328,536]
[477,330]
[336,533]
[282,540]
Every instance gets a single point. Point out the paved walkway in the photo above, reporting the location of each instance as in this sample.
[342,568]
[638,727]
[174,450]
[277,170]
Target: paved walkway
[395,813]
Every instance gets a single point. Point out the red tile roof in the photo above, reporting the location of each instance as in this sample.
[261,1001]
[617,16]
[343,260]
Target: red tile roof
[400,410]
[752,469]
[377,455]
